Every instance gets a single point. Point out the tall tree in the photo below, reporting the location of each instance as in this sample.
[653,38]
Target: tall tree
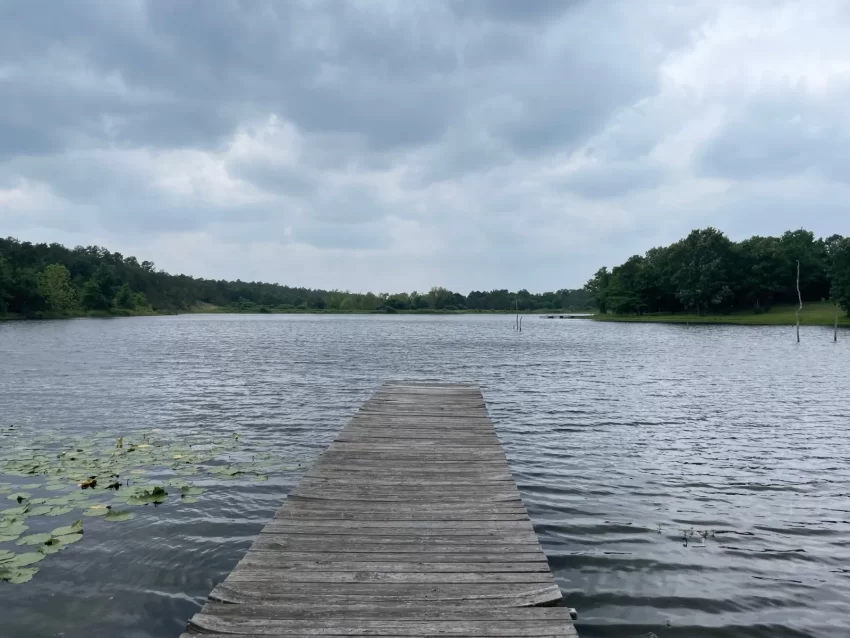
[93,297]
[597,288]
[55,285]
[702,270]
[6,284]
[840,271]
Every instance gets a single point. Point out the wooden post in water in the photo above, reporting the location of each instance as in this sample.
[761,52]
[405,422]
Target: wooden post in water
[800,299]
[835,333]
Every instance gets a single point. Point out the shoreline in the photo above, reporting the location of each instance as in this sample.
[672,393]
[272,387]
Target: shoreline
[815,314]
[577,314]
[820,314]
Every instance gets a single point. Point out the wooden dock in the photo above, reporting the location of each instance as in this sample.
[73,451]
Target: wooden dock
[410,524]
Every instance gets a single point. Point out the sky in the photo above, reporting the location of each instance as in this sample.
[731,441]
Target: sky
[399,145]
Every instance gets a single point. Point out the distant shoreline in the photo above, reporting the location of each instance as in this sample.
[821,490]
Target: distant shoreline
[813,314]
[223,310]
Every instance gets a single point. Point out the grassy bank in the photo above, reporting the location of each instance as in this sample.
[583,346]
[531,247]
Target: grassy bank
[99,314]
[813,314]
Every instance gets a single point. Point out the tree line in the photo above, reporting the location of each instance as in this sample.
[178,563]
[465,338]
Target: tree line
[52,280]
[708,273]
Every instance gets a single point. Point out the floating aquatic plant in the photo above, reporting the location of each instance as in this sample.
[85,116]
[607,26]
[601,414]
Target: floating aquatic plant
[97,476]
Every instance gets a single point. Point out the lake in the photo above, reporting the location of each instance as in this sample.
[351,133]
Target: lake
[629,442]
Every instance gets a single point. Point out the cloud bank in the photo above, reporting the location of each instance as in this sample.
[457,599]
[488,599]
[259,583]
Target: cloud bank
[399,145]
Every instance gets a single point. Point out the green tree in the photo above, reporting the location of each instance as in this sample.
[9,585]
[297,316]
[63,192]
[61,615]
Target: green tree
[55,285]
[801,245]
[106,280]
[124,298]
[624,287]
[765,266]
[140,300]
[6,284]
[597,288]
[439,297]
[702,264]
[93,297]
[839,254]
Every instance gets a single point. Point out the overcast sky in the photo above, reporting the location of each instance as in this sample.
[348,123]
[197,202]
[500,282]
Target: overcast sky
[388,146]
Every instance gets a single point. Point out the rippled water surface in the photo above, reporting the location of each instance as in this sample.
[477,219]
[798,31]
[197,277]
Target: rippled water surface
[627,441]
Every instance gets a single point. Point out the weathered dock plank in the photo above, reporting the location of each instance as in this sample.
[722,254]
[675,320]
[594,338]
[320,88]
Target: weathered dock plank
[409,524]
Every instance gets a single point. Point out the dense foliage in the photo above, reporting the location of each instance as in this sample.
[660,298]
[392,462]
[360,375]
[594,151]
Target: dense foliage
[708,273]
[42,279]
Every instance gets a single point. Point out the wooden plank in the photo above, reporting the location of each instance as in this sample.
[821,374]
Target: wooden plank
[385,626]
[448,528]
[412,611]
[409,524]
[334,556]
[285,563]
[327,543]
[390,537]
[274,576]
[278,588]
[358,515]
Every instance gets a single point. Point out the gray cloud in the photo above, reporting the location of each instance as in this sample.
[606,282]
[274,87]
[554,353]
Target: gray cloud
[613,179]
[473,143]
[780,136]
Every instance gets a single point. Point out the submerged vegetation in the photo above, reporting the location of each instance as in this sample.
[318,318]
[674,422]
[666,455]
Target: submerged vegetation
[46,475]
[50,280]
[707,274]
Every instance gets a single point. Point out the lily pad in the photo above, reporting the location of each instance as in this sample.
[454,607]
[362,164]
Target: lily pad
[18,575]
[6,523]
[14,512]
[74,528]
[12,532]
[20,497]
[117,516]
[22,560]
[191,490]
[34,539]
[97,510]
[145,496]
[55,487]
[59,511]
[39,510]
[58,543]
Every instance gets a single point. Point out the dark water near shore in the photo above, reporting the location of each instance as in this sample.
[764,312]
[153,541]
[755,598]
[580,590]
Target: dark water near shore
[620,436]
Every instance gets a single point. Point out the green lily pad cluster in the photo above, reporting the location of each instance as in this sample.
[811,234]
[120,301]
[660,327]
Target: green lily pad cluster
[102,477]
[17,567]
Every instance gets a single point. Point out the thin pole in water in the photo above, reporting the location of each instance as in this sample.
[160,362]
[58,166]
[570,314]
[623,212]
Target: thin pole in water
[800,299]
[835,334]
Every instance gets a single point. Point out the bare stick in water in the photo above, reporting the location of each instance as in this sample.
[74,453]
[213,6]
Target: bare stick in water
[800,299]
[835,334]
